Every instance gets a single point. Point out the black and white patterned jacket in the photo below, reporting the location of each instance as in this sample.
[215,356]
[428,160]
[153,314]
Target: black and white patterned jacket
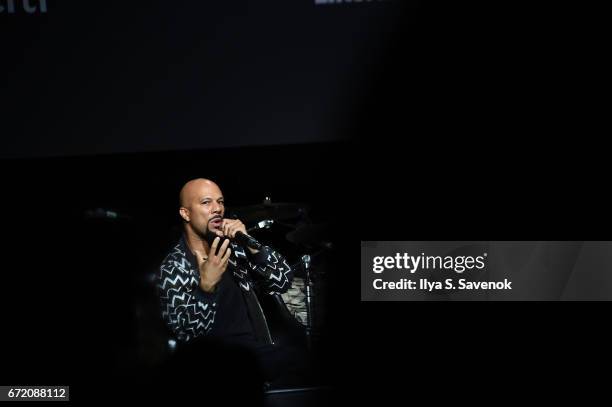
[190,312]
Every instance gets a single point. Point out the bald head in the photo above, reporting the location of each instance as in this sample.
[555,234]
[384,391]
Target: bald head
[193,188]
[201,202]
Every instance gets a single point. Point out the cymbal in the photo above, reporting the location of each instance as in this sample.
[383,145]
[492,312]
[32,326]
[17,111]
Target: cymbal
[310,234]
[273,211]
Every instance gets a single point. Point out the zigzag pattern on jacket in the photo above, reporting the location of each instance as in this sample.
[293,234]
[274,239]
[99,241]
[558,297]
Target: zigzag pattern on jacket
[187,316]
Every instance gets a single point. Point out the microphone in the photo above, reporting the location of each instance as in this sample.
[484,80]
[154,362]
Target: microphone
[240,238]
[246,240]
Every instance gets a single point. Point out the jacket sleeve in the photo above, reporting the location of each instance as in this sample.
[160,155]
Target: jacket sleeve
[187,310]
[276,273]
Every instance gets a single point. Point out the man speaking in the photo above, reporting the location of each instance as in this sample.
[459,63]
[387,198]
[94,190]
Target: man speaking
[207,283]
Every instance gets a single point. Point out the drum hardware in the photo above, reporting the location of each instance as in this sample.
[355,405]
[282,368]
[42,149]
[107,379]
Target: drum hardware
[311,239]
[272,211]
[263,225]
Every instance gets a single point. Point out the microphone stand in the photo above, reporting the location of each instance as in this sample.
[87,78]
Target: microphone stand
[308,285]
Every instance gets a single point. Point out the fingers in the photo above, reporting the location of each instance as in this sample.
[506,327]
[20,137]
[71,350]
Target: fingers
[213,246]
[226,256]
[231,226]
[226,228]
[222,249]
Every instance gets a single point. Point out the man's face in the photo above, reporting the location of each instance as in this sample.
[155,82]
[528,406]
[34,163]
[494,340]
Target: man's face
[205,207]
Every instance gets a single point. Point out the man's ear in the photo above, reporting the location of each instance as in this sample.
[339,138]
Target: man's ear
[184,212]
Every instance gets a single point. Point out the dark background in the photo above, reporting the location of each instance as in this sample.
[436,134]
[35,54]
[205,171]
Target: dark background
[456,122]
[92,78]
[498,111]
[116,105]
[78,293]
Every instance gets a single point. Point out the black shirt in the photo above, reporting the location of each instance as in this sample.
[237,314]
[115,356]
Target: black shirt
[232,309]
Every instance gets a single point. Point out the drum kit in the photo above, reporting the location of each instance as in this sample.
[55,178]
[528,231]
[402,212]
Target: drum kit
[310,240]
